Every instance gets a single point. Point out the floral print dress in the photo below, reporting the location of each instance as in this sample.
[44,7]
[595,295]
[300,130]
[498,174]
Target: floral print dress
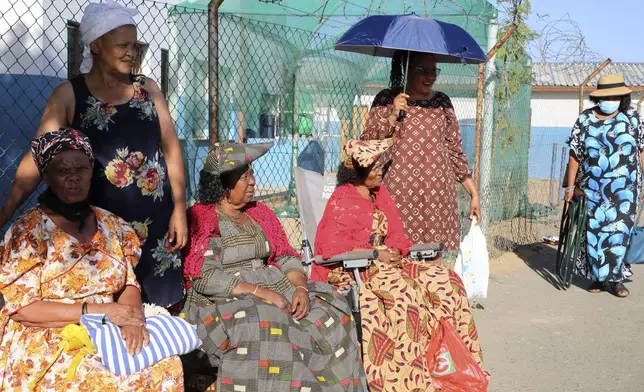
[40,262]
[610,175]
[131,180]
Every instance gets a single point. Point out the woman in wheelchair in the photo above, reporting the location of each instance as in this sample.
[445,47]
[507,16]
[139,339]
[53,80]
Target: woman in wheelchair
[261,322]
[400,301]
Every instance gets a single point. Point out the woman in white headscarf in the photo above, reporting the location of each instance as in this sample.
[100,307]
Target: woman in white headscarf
[139,172]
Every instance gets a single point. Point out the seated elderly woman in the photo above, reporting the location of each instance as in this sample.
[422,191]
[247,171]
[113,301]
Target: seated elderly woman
[400,301]
[60,260]
[261,322]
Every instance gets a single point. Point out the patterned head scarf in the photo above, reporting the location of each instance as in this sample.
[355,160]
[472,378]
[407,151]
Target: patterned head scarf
[45,148]
[98,20]
[365,152]
[227,157]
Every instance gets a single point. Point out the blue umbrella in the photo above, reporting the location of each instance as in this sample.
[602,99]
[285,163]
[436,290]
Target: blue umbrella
[383,35]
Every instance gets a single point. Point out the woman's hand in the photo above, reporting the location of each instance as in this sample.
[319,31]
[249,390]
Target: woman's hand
[390,256]
[571,193]
[475,208]
[400,103]
[177,230]
[275,298]
[125,315]
[301,303]
[135,338]
[475,200]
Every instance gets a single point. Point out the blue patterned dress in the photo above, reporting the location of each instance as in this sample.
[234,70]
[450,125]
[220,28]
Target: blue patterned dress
[131,180]
[610,175]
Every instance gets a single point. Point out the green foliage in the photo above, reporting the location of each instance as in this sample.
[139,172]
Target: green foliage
[514,70]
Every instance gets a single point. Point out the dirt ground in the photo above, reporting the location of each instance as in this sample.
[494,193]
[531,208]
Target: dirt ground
[538,337]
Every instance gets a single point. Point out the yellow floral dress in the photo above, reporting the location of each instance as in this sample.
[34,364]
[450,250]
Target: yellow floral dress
[40,262]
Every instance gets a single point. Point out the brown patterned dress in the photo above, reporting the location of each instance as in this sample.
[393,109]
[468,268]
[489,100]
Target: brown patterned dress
[399,307]
[428,162]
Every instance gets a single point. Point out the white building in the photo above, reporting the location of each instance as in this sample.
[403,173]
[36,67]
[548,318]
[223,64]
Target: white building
[555,105]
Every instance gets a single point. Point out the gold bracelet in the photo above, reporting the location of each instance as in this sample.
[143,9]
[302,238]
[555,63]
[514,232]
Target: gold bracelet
[303,288]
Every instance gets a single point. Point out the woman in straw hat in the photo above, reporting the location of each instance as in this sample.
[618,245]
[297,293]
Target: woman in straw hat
[605,166]
[139,173]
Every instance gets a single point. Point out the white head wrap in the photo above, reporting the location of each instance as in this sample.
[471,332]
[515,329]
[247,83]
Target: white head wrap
[99,19]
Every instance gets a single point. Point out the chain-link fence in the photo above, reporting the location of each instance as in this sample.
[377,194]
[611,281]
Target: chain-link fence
[40,47]
[277,82]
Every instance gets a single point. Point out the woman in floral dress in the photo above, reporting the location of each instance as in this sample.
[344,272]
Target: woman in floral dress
[139,172]
[60,260]
[605,166]
[400,301]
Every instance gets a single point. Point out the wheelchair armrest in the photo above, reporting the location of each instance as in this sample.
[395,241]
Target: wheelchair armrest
[427,251]
[353,259]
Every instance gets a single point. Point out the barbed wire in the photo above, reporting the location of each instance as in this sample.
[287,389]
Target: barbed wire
[450,8]
[561,41]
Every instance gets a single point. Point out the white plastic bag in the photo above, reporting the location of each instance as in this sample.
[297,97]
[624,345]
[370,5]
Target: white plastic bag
[473,263]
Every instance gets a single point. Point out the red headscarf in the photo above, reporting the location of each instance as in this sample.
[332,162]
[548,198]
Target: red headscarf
[203,225]
[347,225]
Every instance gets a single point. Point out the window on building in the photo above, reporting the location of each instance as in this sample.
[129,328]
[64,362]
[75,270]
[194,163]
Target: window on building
[74,49]
[141,51]
[164,71]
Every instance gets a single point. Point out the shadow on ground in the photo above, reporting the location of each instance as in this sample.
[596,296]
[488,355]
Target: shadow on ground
[542,259]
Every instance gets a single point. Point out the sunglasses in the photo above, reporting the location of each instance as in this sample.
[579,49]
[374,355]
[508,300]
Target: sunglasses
[427,71]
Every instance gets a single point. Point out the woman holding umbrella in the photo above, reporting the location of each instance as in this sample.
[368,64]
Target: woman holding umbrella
[428,159]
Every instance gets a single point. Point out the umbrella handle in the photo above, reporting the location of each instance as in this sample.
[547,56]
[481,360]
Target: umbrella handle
[401,115]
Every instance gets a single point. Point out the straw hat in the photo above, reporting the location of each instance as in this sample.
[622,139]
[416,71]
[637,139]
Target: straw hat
[611,86]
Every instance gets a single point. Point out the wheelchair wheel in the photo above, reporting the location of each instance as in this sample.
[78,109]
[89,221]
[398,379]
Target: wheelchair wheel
[571,232]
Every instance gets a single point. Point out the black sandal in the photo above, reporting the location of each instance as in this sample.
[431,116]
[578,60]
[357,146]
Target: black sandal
[596,287]
[618,289]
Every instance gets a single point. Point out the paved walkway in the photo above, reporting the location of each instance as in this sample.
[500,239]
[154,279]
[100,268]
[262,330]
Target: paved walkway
[539,338]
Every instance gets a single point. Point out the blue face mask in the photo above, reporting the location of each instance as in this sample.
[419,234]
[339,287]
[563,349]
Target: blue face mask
[609,107]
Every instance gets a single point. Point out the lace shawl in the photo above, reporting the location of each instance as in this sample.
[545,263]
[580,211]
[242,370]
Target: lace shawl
[347,225]
[203,225]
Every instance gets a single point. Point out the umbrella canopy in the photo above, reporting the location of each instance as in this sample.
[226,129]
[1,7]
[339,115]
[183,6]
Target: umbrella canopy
[383,35]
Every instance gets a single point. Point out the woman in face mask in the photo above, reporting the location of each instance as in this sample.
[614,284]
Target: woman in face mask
[605,167]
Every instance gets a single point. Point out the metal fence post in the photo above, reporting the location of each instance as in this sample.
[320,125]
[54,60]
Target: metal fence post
[582,86]
[213,71]
[487,130]
[553,168]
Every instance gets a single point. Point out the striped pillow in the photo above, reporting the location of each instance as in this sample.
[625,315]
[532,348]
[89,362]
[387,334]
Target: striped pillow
[168,336]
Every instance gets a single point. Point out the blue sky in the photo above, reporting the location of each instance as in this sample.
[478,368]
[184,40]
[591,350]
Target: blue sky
[612,28]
